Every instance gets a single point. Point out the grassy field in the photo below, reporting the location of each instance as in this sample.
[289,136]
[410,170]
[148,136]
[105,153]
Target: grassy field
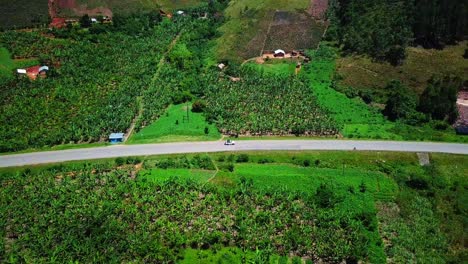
[275,67]
[361,73]
[288,176]
[8,65]
[23,13]
[173,127]
[162,175]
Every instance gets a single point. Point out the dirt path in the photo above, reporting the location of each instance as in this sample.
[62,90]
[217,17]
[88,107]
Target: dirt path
[266,36]
[155,77]
[132,125]
[52,9]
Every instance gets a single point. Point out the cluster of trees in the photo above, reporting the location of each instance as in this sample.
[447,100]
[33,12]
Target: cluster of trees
[384,28]
[437,102]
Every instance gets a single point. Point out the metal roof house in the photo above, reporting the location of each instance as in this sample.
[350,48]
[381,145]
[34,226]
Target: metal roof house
[115,138]
[34,71]
[279,53]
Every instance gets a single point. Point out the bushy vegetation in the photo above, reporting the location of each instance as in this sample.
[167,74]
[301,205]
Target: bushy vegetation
[384,28]
[23,13]
[180,208]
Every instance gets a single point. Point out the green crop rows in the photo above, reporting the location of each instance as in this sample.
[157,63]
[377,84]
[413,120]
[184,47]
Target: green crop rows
[266,207]
[266,105]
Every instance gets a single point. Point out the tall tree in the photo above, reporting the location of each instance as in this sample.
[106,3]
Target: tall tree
[401,103]
[438,101]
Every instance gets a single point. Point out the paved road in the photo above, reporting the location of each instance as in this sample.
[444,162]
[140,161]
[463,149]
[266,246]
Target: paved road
[216,146]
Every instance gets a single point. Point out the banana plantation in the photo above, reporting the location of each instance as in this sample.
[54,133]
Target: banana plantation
[261,104]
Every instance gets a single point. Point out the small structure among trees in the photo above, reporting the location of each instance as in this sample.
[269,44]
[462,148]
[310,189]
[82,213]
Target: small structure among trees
[279,53]
[115,138]
[34,71]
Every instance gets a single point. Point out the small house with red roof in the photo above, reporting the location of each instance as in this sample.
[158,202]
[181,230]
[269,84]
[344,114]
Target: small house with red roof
[34,71]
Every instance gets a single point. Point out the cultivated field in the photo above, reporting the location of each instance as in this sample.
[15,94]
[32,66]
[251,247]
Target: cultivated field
[293,31]
[91,90]
[246,33]
[273,207]
[266,105]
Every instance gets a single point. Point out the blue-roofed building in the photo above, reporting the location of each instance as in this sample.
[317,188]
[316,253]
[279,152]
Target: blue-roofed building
[115,138]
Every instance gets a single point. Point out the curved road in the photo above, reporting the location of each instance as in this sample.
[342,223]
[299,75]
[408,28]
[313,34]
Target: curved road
[217,146]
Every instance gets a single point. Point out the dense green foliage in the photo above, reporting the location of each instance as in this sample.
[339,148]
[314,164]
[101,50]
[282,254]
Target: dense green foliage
[96,79]
[383,28]
[23,13]
[439,99]
[401,102]
[262,104]
[98,212]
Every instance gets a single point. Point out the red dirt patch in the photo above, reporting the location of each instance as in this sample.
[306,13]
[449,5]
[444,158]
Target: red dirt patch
[58,22]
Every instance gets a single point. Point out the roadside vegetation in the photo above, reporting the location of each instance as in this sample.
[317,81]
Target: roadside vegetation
[177,124]
[271,207]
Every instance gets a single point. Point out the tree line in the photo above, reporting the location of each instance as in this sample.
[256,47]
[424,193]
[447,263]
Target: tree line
[384,28]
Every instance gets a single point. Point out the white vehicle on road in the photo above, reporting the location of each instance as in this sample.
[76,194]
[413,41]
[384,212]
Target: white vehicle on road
[229,142]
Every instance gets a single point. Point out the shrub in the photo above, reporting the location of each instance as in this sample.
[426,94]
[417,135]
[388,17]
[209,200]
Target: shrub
[198,106]
[325,196]
[264,160]
[306,163]
[440,125]
[119,161]
[362,187]
[228,167]
[242,158]
[417,183]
